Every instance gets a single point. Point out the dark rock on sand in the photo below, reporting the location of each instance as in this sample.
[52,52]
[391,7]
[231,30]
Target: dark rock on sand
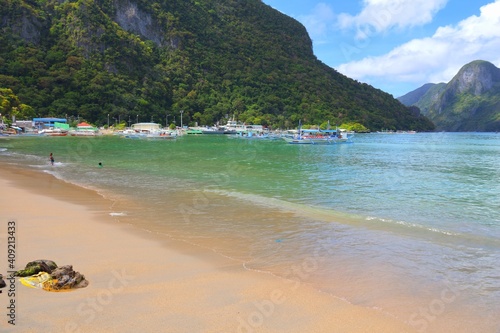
[37,266]
[65,277]
[61,278]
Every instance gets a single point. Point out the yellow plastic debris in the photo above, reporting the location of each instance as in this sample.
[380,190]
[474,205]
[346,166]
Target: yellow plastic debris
[36,281]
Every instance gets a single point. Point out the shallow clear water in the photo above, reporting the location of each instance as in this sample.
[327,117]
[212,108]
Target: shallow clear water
[392,221]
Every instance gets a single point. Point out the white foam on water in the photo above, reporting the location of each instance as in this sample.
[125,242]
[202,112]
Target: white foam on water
[118,214]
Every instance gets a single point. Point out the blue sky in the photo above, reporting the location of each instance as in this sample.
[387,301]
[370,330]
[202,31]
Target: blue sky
[399,45]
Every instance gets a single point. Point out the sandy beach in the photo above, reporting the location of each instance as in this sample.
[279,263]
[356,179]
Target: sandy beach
[145,282]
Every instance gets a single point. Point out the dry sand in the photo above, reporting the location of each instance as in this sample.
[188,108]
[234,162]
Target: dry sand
[144,282]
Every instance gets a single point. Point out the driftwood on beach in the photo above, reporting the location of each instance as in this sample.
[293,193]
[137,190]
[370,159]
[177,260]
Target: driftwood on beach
[45,274]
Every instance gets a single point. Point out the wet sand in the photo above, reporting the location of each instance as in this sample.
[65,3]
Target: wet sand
[145,282]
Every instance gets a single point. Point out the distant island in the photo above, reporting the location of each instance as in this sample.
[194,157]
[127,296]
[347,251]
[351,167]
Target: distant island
[469,102]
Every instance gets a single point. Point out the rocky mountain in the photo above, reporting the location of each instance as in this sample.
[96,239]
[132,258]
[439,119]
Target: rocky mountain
[414,96]
[149,59]
[469,102]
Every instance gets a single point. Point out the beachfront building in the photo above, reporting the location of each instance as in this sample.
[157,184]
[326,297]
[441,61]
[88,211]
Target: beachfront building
[146,127]
[23,125]
[84,129]
[46,123]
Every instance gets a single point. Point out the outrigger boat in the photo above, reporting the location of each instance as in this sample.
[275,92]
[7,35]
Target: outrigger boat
[53,132]
[318,136]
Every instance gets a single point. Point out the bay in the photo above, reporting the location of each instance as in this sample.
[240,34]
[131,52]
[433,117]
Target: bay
[405,223]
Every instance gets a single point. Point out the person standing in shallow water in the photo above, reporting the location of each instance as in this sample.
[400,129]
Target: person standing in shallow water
[51,158]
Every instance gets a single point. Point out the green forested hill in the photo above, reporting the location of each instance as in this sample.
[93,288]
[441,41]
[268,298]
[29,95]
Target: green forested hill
[146,59]
[469,102]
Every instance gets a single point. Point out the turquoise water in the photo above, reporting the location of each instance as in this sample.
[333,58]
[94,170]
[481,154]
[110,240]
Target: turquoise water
[407,217]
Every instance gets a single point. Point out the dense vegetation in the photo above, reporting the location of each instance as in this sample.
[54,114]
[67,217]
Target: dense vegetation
[469,102]
[148,60]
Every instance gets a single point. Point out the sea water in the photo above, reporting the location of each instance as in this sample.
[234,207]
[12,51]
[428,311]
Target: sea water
[408,224]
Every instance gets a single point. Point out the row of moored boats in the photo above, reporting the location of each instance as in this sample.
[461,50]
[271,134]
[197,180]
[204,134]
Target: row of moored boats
[233,129]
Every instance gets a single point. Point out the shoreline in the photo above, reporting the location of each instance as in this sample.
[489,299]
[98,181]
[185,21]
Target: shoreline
[139,280]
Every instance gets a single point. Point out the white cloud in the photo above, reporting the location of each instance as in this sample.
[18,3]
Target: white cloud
[437,58]
[381,15]
[319,21]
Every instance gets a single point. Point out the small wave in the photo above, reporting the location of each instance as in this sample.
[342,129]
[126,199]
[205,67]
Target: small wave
[53,173]
[45,166]
[3,149]
[304,210]
[256,199]
[412,225]
[38,166]
[329,215]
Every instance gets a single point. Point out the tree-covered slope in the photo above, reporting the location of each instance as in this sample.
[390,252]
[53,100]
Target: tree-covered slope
[469,102]
[148,59]
[430,97]
[427,91]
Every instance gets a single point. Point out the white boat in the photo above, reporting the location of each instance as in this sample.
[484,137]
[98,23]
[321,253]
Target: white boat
[53,132]
[206,130]
[252,135]
[161,135]
[234,127]
[83,133]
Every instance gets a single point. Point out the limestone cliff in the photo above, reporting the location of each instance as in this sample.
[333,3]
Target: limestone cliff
[469,102]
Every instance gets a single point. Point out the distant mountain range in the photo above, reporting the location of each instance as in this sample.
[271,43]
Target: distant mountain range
[469,102]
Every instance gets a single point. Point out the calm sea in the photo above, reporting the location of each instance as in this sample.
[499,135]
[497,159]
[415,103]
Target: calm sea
[408,224]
